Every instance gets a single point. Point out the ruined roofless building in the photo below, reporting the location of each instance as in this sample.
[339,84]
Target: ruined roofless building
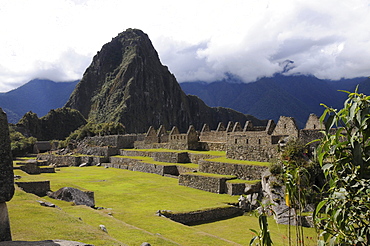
[6,177]
[261,143]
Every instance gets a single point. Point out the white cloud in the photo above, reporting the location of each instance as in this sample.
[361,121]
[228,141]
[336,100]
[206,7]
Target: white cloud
[197,40]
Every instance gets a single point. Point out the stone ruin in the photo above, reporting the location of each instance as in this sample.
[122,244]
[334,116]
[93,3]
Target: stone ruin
[252,143]
[248,142]
[6,177]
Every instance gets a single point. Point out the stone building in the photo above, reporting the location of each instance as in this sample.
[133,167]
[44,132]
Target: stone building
[262,143]
[248,142]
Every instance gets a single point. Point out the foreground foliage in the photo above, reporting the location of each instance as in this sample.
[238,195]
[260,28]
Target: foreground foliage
[344,154]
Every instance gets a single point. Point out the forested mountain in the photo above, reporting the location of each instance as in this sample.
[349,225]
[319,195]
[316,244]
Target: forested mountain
[269,98]
[38,96]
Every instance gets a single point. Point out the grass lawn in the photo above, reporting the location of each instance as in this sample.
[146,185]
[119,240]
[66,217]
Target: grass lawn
[131,200]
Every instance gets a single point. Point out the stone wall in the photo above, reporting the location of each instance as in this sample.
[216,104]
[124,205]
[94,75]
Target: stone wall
[213,136]
[251,145]
[306,136]
[143,145]
[34,168]
[185,169]
[5,234]
[69,160]
[212,146]
[235,188]
[140,166]
[202,216]
[39,188]
[196,158]
[125,152]
[313,123]
[201,181]
[47,169]
[6,177]
[30,168]
[240,187]
[241,171]
[6,161]
[252,153]
[286,126]
[171,157]
[119,141]
[98,151]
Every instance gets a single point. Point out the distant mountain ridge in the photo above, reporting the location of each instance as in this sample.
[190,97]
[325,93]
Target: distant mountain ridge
[269,98]
[38,96]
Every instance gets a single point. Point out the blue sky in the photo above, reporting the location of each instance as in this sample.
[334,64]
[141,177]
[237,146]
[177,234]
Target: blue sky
[197,40]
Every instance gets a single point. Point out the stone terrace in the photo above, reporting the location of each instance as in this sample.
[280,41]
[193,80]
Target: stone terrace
[196,169]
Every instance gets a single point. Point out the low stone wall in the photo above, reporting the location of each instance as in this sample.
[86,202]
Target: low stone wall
[30,168]
[93,160]
[47,170]
[137,165]
[39,188]
[68,160]
[99,151]
[242,171]
[122,161]
[171,157]
[60,160]
[143,145]
[235,188]
[241,187]
[195,158]
[203,216]
[201,181]
[125,152]
[185,169]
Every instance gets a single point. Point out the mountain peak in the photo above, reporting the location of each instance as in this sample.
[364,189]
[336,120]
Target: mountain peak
[127,83]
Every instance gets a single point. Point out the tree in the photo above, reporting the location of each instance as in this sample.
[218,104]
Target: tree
[343,217]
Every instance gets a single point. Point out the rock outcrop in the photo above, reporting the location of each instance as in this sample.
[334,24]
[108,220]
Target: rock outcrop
[57,124]
[6,177]
[74,195]
[127,83]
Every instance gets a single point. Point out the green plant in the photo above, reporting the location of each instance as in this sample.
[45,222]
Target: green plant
[298,183]
[344,155]
[20,145]
[276,168]
[92,129]
[262,237]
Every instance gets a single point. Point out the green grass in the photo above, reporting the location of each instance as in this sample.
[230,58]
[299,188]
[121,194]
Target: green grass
[232,161]
[239,181]
[190,165]
[133,199]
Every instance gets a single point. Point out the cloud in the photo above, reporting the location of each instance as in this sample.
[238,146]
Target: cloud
[324,39]
[197,40]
